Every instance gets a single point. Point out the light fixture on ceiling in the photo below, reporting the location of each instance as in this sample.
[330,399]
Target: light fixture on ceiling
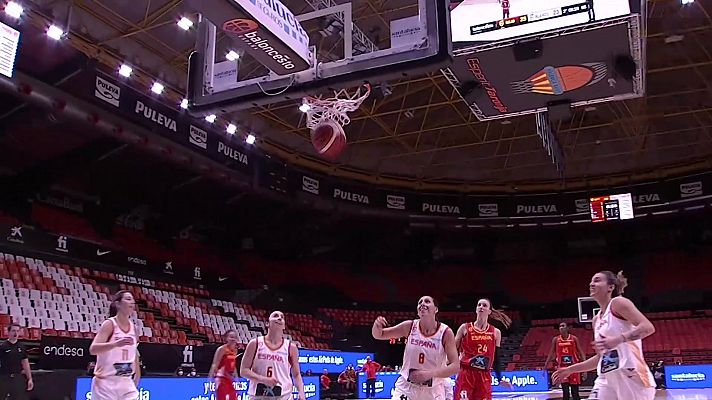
[55,32]
[14,10]
[125,70]
[157,88]
[231,129]
[250,139]
[185,23]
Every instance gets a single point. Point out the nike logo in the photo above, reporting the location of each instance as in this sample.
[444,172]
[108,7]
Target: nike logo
[222,279]
[102,253]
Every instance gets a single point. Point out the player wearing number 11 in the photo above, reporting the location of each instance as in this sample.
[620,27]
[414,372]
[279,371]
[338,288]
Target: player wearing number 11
[430,355]
[267,363]
[117,371]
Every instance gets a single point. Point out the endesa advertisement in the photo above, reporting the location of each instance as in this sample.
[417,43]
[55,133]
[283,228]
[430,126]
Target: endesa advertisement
[522,382]
[688,376]
[191,389]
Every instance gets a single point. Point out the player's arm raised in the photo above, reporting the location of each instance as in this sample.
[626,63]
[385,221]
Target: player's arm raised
[380,332]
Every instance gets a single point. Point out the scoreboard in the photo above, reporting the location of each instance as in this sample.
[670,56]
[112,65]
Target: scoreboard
[612,207]
[534,16]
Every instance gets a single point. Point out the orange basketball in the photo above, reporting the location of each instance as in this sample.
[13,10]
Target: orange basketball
[574,76]
[328,139]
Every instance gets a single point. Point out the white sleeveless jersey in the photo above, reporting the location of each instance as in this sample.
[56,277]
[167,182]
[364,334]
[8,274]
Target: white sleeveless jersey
[118,361]
[422,352]
[272,363]
[626,356]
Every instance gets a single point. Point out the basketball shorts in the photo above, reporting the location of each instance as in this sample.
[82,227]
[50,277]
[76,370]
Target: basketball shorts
[282,397]
[473,384]
[113,388]
[224,389]
[573,379]
[622,384]
[405,390]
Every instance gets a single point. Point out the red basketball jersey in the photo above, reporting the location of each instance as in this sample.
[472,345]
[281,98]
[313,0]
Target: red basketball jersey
[505,4]
[566,351]
[478,347]
[226,368]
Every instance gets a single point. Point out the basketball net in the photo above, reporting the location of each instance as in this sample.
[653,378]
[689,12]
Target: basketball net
[335,108]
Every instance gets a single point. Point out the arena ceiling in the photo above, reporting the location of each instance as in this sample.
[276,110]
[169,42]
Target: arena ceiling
[423,135]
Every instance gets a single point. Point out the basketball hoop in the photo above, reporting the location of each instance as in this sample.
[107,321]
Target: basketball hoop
[334,108]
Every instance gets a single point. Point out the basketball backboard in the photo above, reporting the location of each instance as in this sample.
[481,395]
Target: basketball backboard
[587,309]
[290,65]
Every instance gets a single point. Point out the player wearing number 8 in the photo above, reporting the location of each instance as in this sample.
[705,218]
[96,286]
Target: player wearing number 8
[478,343]
[117,371]
[430,355]
[267,362]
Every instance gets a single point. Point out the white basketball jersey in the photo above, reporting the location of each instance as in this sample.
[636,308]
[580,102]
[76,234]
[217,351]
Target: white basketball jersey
[118,361]
[422,352]
[272,363]
[627,355]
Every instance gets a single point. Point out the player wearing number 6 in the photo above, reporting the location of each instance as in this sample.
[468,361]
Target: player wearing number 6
[479,344]
[430,355]
[117,371]
[267,362]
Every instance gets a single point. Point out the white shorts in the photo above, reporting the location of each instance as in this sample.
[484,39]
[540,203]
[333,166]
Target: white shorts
[283,397]
[621,384]
[405,390]
[113,388]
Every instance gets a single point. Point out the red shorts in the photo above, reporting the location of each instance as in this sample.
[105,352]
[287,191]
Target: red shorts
[473,384]
[225,390]
[573,379]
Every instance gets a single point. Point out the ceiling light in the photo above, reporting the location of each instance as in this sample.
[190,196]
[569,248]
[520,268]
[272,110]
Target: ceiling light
[13,9]
[125,70]
[184,104]
[304,107]
[185,23]
[232,56]
[250,139]
[157,88]
[211,118]
[55,32]
[231,129]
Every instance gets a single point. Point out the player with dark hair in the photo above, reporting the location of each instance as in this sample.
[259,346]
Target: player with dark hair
[223,367]
[619,329]
[117,370]
[568,351]
[267,363]
[430,354]
[479,344]
[505,8]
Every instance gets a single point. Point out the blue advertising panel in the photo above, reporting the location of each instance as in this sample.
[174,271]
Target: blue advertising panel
[332,361]
[385,382]
[191,388]
[688,376]
[522,381]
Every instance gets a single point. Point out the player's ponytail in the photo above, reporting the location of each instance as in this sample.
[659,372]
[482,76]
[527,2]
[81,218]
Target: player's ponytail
[619,282]
[499,315]
[622,282]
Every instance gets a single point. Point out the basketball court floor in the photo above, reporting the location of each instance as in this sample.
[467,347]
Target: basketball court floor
[673,394]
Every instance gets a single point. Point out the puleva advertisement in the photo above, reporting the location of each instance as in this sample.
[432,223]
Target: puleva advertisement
[191,389]
[522,381]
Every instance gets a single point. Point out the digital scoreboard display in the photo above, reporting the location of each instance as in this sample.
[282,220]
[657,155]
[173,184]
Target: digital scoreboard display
[612,207]
[494,20]
[9,40]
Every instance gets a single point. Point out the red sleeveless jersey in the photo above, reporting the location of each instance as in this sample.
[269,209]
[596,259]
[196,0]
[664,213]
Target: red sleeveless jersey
[478,347]
[566,351]
[226,368]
